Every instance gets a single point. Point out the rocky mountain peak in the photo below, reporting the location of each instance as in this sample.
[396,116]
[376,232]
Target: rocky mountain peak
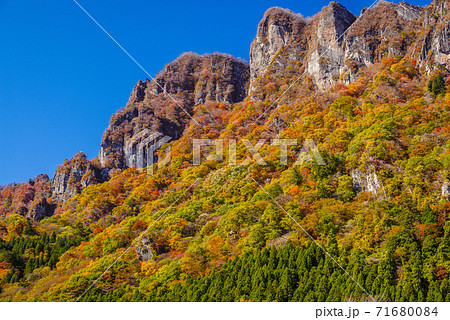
[334,45]
[284,37]
[278,28]
[39,179]
[73,176]
[334,20]
[409,12]
[325,55]
[159,107]
[30,199]
[435,46]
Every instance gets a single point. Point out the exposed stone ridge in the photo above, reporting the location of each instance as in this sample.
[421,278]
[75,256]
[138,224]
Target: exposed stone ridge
[30,199]
[409,12]
[190,80]
[278,28]
[330,47]
[38,198]
[326,57]
[214,77]
[435,46]
[73,176]
[333,45]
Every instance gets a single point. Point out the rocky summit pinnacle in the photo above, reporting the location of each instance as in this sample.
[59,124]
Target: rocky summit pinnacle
[163,106]
[278,28]
[334,45]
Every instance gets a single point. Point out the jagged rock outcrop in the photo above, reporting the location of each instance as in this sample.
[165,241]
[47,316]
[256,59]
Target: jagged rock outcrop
[333,45]
[367,182]
[30,199]
[285,38]
[409,12]
[326,56]
[73,176]
[214,77]
[154,115]
[278,29]
[42,209]
[158,111]
[382,31]
[435,48]
[144,249]
[445,190]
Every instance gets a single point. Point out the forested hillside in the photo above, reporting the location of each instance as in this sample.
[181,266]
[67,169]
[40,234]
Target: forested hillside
[372,222]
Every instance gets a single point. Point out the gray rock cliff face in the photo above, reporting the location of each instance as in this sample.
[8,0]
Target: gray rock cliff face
[284,38]
[41,210]
[278,29]
[367,182]
[326,54]
[73,176]
[157,111]
[334,45]
[31,199]
[409,12]
[436,45]
[445,190]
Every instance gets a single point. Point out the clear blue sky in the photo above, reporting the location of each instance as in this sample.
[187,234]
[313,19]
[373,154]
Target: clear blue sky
[61,77]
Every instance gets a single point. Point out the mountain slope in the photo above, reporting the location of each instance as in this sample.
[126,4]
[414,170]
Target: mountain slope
[376,104]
